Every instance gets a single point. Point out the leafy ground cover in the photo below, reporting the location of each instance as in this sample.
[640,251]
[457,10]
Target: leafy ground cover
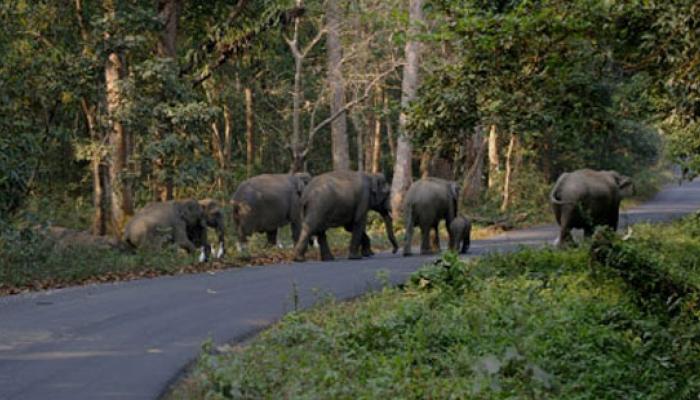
[609,319]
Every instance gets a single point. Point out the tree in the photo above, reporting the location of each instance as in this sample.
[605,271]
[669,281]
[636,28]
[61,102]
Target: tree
[339,135]
[404,152]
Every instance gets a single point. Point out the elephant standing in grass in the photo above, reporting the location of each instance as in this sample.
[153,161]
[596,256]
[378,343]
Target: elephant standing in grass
[460,233]
[169,222]
[586,198]
[266,203]
[343,198]
[427,202]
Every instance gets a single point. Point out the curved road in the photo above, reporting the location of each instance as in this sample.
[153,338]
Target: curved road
[129,340]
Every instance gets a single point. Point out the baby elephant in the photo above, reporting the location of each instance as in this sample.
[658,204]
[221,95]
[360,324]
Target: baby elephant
[460,231]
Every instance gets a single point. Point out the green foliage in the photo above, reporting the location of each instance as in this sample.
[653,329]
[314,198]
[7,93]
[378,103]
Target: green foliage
[539,323]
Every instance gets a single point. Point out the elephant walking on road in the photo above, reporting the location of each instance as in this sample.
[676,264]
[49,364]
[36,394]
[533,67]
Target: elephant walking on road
[427,202]
[171,221]
[460,234]
[586,198]
[266,203]
[342,198]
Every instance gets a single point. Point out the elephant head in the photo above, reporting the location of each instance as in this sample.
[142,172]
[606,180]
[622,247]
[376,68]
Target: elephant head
[379,195]
[190,211]
[302,179]
[214,218]
[624,183]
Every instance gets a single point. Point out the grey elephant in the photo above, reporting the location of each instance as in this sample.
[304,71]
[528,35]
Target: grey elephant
[427,202]
[460,233]
[586,198]
[169,222]
[213,218]
[342,199]
[266,203]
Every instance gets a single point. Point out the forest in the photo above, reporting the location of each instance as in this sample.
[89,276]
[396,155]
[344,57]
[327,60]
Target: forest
[107,105]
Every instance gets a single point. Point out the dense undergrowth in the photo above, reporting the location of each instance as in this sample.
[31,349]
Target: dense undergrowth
[609,319]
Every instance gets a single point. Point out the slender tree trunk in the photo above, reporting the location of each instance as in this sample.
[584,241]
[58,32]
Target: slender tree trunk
[389,130]
[218,151]
[493,156]
[339,135]
[249,138]
[509,172]
[168,13]
[101,189]
[358,124]
[298,157]
[425,164]
[472,185]
[377,141]
[118,139]
[402,168]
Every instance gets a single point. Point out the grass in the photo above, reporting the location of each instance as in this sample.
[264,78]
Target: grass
[592,322]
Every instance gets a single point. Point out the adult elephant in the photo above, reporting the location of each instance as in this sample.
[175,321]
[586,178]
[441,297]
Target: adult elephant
[427,202]
[586,198]
[266,203]
[343,198]
[169,222]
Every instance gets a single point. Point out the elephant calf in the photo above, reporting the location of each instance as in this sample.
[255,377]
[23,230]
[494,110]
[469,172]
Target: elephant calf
[460,232]
[586,198]
[213,218]
[266,203]
[427,202]
[169,222]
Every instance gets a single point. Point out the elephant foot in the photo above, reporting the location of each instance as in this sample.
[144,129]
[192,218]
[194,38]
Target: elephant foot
[368,253]
[327,257]
[299,258]
[407,254]
[355,256]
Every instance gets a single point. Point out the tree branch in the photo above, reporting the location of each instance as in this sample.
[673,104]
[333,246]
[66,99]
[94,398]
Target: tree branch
[349,105]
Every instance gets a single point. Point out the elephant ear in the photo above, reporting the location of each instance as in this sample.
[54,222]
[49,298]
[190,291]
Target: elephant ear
[625,184]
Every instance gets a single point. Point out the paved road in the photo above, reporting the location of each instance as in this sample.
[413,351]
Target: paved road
[128,340]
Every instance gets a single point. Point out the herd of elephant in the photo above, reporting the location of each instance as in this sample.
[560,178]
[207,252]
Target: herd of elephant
[265,203]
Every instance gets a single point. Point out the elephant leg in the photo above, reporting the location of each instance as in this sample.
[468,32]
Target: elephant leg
[409,235]
[436,238]
[425,240]
[466,241]
[366,246]
[326,254]
[567,215]
[358,230]
[271,238]
[296,228]
[302,244]
[615,218]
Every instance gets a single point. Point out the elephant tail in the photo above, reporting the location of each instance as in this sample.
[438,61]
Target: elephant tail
[554,200]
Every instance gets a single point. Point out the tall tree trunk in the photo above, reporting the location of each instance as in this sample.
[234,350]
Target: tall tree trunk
[425,164]
[168,13]
[377,141]
[509,172]
[359,126]
[297,147]
[402,167]
[493,156]
[339,135]
[389,130]
[472,183]
[249,138]
[100,174]
[118,137]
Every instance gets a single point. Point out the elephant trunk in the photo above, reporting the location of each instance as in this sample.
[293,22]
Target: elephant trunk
[389,225]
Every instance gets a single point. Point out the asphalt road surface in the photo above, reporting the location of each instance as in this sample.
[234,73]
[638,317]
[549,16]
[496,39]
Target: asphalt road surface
[129,340]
